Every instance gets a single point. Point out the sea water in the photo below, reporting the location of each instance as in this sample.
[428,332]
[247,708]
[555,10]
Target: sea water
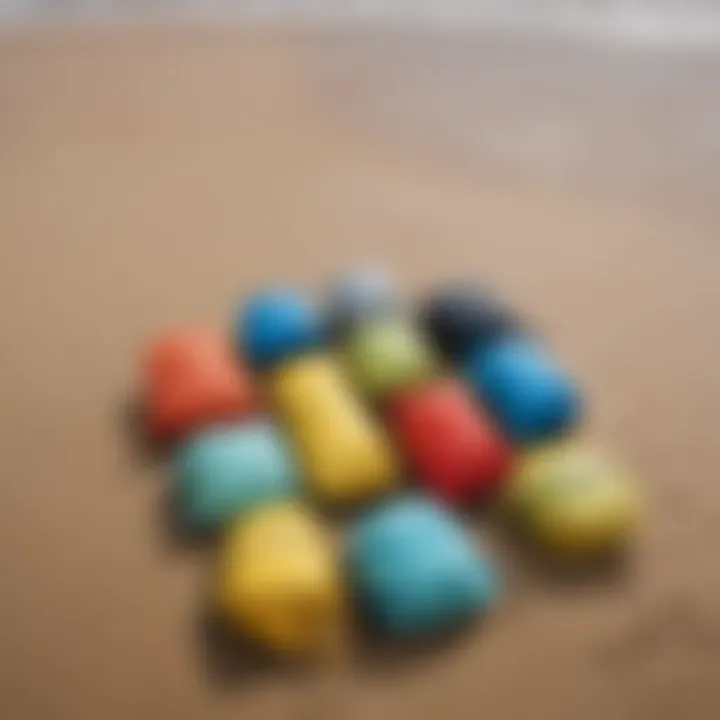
[656,21]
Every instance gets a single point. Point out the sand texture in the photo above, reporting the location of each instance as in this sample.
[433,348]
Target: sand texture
[149,179]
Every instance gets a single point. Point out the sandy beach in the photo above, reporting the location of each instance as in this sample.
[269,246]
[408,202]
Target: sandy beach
[150,178]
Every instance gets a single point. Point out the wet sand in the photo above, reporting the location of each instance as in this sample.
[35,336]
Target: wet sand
[151,178]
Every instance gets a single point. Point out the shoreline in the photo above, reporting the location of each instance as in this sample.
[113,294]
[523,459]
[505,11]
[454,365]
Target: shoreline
[676,29]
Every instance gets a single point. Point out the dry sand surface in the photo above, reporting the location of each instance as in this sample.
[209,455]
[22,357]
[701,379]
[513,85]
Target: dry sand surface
[149,179]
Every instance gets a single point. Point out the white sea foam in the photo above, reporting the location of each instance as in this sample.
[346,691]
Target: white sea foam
[642,21]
